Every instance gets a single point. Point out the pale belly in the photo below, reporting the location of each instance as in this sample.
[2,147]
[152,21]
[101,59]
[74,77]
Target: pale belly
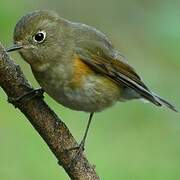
[95,94]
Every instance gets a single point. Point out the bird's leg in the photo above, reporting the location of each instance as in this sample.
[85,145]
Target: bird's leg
[27,96]
[82,143]
[80,147]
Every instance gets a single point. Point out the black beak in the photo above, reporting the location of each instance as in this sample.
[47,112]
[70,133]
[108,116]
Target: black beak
[14,47]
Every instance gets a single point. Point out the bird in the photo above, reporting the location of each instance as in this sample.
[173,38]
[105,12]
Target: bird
[77,65]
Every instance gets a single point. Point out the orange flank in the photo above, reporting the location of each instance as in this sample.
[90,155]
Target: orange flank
[80,70]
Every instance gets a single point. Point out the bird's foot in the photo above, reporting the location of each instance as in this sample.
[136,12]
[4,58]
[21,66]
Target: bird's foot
[26,97]
[79,150]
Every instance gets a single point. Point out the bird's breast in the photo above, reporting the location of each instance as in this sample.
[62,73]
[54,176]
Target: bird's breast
[79,87]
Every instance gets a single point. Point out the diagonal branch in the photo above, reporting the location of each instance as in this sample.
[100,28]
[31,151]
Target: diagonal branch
[44,120]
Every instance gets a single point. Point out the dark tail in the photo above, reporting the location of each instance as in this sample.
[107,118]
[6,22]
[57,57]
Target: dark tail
[161,102]
[137,85]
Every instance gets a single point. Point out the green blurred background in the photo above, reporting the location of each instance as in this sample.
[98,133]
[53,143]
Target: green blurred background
[130,141]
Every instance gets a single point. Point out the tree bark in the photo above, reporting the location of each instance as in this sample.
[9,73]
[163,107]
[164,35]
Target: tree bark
[44,120]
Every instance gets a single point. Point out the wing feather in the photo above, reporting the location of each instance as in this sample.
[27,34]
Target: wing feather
[118,71]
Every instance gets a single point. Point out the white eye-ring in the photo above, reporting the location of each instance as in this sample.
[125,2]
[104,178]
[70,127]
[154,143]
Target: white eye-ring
[39,37]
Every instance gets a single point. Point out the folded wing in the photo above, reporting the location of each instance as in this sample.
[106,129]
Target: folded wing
[104,61]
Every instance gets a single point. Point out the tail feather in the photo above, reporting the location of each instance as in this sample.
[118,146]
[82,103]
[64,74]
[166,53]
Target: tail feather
[165,103]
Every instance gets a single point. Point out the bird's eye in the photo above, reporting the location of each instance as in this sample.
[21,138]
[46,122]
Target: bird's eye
[39,37]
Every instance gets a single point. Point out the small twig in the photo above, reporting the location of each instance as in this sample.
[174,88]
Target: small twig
[44,120]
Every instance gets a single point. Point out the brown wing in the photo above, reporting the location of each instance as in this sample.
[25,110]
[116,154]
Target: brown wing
[98,58]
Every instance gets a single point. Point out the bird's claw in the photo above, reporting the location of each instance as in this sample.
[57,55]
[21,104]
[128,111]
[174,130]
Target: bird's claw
[27,96]
[79,150]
